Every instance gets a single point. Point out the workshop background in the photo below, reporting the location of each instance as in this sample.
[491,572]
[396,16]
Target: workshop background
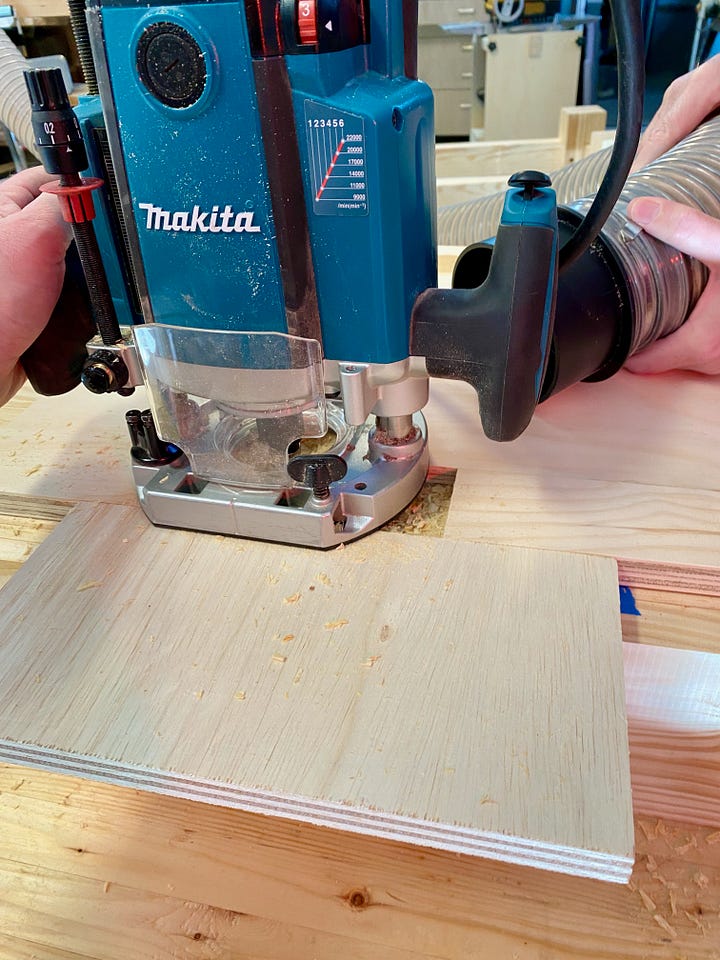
[470,82]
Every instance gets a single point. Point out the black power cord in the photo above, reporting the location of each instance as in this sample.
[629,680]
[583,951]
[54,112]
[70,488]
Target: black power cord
[627,24]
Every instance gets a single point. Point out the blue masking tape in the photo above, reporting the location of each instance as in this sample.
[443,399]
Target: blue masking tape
[627,602]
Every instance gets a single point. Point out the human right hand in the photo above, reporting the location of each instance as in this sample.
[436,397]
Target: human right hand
[688,101]
[696,344]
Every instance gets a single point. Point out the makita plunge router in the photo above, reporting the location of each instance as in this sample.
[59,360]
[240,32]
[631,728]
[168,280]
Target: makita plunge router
[263,260]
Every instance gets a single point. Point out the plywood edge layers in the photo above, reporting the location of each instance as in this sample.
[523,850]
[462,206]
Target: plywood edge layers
[559,859]
[675,578]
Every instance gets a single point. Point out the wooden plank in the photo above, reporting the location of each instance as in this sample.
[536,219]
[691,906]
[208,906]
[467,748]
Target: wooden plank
[628,468]
[18,539]
[358,687]
[577,127]
[680,620]
[672,525]
[112,921]
[459,189]
[497,158]
[317,884]
[673,704]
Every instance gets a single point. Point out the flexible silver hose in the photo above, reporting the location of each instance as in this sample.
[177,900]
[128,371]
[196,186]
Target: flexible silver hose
[663,283]
[14,102]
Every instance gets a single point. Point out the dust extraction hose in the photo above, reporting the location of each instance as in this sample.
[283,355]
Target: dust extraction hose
[14,106]
[663,284]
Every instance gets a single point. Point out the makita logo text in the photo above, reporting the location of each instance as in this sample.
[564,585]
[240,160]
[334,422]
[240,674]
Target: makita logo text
[199,221]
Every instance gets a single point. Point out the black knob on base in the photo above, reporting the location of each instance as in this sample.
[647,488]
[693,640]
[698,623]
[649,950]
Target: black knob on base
[317,472]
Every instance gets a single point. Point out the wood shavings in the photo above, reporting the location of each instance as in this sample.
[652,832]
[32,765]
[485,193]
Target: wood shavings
[712,838]
[298,676]
[324,579]
[278,658]
[199,694]
[686,847]
[288,638]
[240,695]
[292,599]
[89,585]
[334,624]
[16,786]
[693,918]
[649,830]
[701,880]
[106,886]
[648,901]
[664,925]
[271,578]
[32,470]
[651,864]
[371,661]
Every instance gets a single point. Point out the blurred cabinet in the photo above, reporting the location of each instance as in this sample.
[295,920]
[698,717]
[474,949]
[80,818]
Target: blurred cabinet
[446,61]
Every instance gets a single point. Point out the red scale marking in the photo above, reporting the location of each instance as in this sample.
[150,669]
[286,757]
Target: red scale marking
[330,169]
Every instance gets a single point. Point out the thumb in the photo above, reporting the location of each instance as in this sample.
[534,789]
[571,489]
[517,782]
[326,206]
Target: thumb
[682,227]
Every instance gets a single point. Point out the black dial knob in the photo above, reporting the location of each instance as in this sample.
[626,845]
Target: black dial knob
[104,372]
[57,132]
[317,472]
[171,64]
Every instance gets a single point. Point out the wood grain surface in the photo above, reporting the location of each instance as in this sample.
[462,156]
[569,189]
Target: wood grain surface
[92,870]
[461,695]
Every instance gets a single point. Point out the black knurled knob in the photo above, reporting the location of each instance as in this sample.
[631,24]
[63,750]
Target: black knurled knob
[317,472]
[529,180]
[104,372]
[58,137]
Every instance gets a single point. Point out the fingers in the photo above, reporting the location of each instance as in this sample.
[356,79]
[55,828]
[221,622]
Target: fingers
[33,244]
[684,228]
[687,102]
[18,191]
[695,346]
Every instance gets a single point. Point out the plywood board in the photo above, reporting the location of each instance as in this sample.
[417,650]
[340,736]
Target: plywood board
[72,447]
[455,695]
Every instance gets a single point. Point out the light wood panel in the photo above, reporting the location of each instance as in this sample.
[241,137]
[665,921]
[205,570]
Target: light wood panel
[529,77]
[306,890]
[408,687]
[40,9]
[498,157]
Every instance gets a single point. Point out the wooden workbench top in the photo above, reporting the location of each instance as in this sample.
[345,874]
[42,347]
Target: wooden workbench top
[628,469]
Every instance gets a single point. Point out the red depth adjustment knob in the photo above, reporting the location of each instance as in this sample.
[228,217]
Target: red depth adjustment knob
[76,200]
[307,21]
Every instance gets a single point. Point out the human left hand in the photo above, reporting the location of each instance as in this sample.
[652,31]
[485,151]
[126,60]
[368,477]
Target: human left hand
[33,242]
[696,344]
